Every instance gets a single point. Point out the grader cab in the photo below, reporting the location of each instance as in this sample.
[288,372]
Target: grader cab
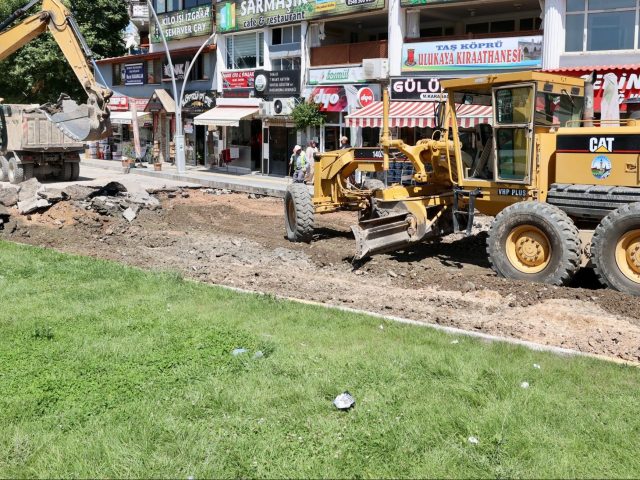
[564,190]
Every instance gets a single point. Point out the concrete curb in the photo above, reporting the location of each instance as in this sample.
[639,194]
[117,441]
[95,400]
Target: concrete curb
[239,186]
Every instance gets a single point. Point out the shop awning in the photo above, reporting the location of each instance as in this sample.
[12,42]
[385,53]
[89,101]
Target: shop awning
[161,100]
[225,116]
[124,118]
[415,114]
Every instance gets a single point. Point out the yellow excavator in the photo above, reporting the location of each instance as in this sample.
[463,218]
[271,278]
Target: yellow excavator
[564,190]
[88,122]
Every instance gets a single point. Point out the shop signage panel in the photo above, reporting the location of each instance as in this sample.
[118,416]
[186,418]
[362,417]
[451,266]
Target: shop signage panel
[133,74]
[628,83]
[490,54]
[238,15]
[416,89]
[331,76]
[280,83]
[123,104]
[240,79]
[180,66]
[342,98]
[193,22]
[418,3]
[196,102]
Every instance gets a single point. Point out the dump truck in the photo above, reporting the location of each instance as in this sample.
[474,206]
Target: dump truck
[31,144]
[564,190]
[87,122]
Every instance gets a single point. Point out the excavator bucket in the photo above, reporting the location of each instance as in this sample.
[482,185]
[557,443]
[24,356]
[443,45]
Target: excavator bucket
[83,123]
[384,234]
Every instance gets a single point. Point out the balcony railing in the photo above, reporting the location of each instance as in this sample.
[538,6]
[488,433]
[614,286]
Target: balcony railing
[346,53]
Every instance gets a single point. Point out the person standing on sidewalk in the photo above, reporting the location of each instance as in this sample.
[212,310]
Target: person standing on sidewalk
[312,149]
[298,164]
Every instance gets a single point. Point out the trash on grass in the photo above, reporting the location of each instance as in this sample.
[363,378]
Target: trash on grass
[239,351]
[473,440]
[455,342]
[535,365]
[258,354]
[344,401]
[524,385]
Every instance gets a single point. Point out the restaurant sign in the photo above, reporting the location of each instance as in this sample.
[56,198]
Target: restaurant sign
[240,15]
[198,101]
[280,83]
[193,22]
[416,89]
[509,53]
[238,84]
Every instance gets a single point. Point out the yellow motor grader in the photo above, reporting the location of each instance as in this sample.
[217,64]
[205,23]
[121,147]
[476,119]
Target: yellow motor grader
[564,191]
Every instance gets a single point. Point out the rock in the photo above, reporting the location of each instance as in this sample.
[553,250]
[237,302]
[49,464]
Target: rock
[392,274]
[129,215]
[53,195]
[78,192]
[4,211]
[111,189]
[32,205]
[29,190]
[468,287]
[164,188]
[171,195]
[344,401]
[8,196]
[185,194]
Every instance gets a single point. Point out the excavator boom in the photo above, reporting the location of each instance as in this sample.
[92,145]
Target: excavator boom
[88,122]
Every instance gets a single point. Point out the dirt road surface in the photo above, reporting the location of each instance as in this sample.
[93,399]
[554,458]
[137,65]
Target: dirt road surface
[234,240]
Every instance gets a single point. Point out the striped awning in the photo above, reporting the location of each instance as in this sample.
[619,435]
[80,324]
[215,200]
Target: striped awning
[416,114]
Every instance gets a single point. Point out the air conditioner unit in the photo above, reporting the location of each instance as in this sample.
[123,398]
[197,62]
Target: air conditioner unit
[266,109]
[283,106]
[375,68]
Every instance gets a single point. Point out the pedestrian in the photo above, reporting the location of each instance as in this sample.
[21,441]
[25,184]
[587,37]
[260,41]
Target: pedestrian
[312,149]
[344,142]
[298,164]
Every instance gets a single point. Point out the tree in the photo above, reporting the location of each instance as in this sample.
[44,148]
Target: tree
[39,73]
[307,114]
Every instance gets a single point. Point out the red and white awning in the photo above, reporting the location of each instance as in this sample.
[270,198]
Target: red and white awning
[415,114]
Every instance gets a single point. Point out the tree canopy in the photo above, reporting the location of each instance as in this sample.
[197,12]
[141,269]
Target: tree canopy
[39,73]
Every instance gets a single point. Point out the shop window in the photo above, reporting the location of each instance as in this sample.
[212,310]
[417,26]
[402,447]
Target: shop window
[154,71]
[195,3]
[478,27]
[287,63]
[503,26]
[530,24]
[286,35]
[201,70]
[438,31]
[164,6]
[245,51]
[117,74]
[595,25]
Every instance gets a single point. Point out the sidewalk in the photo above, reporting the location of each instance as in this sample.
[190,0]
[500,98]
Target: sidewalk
[249,183]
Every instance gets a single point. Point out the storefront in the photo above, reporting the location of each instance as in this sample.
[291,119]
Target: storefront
[235,127]
[163,108]
[199,145]
[121,141]
[337,100]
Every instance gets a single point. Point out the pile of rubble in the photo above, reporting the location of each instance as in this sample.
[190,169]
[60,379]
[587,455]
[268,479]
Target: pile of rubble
[112,199]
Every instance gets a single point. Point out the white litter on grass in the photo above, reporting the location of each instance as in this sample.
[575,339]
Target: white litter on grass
[455,342]
[238,351]
[381,327]
[258,354]
[344,401]
[524,385]
[535,365]
[473,440]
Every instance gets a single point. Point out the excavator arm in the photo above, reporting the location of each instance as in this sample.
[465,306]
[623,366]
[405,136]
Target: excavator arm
[88,122]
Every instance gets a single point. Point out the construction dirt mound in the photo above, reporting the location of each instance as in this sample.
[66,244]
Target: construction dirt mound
[238,240]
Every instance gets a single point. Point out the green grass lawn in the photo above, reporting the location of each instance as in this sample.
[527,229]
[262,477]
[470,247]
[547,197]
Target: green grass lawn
[108,371]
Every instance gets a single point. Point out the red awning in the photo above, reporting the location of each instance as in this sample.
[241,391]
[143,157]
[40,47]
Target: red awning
[415,114]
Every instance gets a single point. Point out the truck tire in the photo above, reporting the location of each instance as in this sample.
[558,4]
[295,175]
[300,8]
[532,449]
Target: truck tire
[75,171]
[4,169]
[298,213]
[615,249]
[66,172]
[536,242]
[28,170]
[16,171]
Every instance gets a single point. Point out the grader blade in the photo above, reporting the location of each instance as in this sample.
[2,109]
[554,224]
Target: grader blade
[384,234]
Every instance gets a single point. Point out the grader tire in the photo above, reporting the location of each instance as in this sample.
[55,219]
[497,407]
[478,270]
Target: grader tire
[4,169]
[16,172]
[536,242]
[616,249]
[298,213]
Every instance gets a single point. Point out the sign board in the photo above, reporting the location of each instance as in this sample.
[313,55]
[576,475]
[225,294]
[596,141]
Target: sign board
[238,79]
[133,74]
[280,83]
[341,98]
[140,11]
[122,104]
[628,83]
[238,15]
[418,3]
[331,76]
[180,66]
[193,22]
[416,89]
[486,54]
[198,101]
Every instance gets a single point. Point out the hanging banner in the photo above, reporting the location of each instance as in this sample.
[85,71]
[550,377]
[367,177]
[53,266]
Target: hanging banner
[343,98]
[241,15]
[508,53]
[133,74]
[416,89]
[184,24]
